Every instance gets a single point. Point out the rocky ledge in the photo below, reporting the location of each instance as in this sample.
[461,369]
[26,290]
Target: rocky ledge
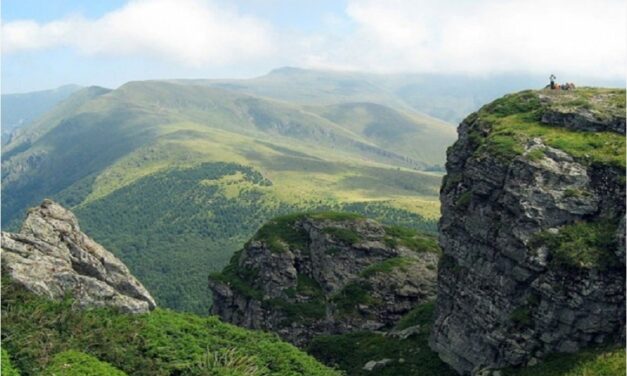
[51,257]
[325,273]
[532,230]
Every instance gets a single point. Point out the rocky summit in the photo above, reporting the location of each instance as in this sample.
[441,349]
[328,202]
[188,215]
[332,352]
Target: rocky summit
[51,257]
[326,273]
[532,230]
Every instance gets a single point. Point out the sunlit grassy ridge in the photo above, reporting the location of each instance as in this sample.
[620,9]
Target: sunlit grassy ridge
[515,119]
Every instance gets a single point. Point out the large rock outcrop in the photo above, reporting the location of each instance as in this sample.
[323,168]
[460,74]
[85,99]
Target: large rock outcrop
[50,256]
[532,230]
[325,273]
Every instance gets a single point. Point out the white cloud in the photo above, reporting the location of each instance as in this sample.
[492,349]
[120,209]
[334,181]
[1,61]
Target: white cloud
[584,37]
[575,36]
[192,32]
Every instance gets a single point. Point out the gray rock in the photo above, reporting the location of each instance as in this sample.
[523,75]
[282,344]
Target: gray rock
[404,333]
[374,364]
[51,257]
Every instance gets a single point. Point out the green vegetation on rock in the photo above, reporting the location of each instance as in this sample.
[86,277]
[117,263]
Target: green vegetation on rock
[36,330]
[351,296]
[385,266]
[412,239]
[515,119]
[591,362]
[410,356]
[582,245]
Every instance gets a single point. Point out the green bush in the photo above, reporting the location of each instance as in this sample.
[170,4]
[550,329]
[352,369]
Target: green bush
[75,363]
[412,239]
[411,356]
[581,245]
[7,368]
[345,235]
[160,343]
[385,266]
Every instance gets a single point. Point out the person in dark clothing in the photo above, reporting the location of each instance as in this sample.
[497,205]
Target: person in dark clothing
[552,79]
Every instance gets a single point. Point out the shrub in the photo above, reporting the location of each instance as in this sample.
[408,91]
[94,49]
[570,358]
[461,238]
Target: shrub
[75,363]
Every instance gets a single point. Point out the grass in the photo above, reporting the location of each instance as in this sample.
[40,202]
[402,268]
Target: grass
[415,240]
[412,356]
[420,315]
[345,235]
[582,245]
[283,233]
[515,119]
[591,362]
[163,342]
[7,368]
[75,363]
[351,296]
[385,266]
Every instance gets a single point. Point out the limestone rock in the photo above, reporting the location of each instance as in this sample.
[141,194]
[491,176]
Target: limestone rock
[504,296]
[51,257]
[335,276]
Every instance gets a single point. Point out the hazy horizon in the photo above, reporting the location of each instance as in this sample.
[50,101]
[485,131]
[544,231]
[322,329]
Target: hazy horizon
[50,44]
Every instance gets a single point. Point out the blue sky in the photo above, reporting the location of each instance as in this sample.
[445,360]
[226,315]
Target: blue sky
[48,43]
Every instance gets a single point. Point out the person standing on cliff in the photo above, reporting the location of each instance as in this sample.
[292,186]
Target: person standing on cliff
[552,79]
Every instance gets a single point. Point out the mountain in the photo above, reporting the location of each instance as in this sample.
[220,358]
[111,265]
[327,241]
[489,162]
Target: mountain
[70,308]
[174,177]
[533,231]
[20,109]
[448,97]
[531,276]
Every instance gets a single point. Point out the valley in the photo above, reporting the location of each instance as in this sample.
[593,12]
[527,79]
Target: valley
[175,177]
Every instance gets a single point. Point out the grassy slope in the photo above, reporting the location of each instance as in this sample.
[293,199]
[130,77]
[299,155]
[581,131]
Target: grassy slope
[37,332]
[108,149]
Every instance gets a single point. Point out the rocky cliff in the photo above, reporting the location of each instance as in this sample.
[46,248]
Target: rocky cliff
[532,230]
[325,273]
[51,257]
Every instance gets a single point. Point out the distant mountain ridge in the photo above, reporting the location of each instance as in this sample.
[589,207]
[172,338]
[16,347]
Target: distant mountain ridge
[155,168]
[20,109]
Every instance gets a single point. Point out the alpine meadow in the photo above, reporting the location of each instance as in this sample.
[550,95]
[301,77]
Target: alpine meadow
[328,188]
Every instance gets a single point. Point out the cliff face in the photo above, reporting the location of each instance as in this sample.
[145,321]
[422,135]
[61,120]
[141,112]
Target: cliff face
[51,257]
[532,230]
[325,273]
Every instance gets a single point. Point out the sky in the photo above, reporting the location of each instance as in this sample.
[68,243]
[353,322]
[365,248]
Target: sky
[49,43]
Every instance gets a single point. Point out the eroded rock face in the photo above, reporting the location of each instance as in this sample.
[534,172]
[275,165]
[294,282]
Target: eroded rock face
[507,293]
[340,276]
[51,257]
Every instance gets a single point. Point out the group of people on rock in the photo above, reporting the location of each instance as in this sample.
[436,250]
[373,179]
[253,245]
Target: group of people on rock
[555,86]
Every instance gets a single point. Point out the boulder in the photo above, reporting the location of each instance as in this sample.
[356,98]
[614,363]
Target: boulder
[51,257]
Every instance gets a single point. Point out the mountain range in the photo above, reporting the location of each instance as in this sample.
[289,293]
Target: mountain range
[173,176]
